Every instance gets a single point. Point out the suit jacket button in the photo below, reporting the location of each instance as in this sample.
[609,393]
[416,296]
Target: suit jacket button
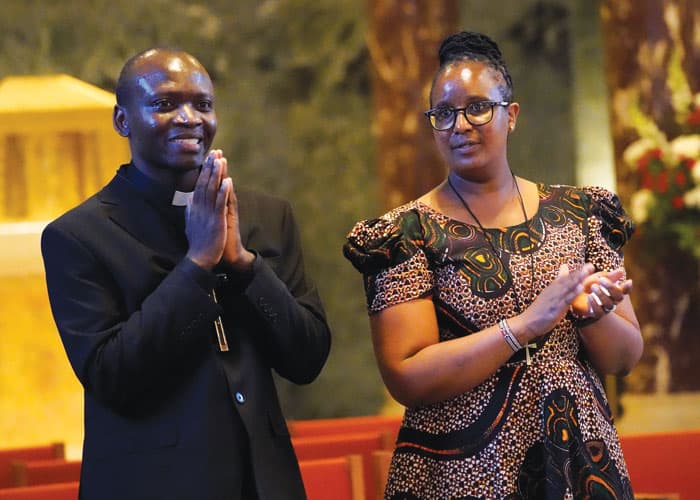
[240,397]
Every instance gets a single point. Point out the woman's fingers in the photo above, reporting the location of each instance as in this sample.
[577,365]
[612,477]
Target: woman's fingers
[605,294]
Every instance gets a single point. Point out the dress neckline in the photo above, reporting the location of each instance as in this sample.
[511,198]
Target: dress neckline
[541,187]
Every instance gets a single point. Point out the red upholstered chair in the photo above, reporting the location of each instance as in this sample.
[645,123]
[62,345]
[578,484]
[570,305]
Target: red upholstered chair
[41,452]
[56,491]
[339,478]
[338,445]
[663,463]
[35,472]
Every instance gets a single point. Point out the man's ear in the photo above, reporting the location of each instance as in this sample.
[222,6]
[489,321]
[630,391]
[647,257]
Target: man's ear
[121,124]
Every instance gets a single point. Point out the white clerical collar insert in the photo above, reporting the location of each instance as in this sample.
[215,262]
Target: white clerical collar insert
[182,199]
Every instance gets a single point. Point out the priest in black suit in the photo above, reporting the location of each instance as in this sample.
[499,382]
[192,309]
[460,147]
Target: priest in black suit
[176,295]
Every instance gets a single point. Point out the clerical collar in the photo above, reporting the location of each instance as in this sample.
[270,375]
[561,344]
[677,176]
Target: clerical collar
[182,199]
[156,193]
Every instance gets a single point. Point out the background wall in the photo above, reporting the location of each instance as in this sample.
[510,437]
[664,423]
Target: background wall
[295,119]
[536,40]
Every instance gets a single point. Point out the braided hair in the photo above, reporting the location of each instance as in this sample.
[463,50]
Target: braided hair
[472,46]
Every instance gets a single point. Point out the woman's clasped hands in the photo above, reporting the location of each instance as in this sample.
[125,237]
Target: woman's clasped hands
[552,304]
[586,294]
[603,290]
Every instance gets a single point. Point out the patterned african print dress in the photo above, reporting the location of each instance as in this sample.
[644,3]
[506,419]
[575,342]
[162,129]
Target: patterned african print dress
[534,431]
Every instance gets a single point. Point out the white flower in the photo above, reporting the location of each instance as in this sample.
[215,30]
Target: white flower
[695,173]
[692,198]
[637,149]
[686,146]
[641,203]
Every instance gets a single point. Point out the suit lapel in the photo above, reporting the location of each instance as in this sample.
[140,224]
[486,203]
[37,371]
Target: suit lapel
[127,208]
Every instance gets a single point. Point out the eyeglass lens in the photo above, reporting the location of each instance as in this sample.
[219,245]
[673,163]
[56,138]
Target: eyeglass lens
[478,113]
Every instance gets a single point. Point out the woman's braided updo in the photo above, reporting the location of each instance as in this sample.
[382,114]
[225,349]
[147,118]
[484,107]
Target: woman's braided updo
[472,46]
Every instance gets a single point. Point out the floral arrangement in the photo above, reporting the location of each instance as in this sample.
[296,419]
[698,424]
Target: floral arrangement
[666,203]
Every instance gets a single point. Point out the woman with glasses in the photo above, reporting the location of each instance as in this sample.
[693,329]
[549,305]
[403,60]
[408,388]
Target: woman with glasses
[496,304]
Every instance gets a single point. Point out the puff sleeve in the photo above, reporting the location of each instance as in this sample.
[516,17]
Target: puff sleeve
[609,229]
[391,255]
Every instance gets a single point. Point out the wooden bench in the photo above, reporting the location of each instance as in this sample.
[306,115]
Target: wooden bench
[56,491]
[663,463]
[35,472]
[41,452]
[387,424]
[338,445]
[381,463]
[340,478]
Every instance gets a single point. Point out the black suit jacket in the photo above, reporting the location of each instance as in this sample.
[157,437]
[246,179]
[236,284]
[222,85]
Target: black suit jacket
[167,415]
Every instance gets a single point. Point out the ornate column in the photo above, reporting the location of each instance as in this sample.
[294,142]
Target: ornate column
[403,39]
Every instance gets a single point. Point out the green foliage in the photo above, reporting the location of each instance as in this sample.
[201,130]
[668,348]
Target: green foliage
[315,148]
[293,106]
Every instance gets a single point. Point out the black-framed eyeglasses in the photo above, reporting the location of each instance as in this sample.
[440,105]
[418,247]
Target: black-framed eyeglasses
[476,113]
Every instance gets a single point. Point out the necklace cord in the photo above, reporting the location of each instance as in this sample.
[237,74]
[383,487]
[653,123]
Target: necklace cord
[496,253]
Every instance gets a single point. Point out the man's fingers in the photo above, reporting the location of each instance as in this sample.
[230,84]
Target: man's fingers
[223,195]
[214,182]
[200,187]
[224,167]
[220,169]
[232,200]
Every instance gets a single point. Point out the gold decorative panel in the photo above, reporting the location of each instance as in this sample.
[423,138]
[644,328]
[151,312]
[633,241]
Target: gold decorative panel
[57,147]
